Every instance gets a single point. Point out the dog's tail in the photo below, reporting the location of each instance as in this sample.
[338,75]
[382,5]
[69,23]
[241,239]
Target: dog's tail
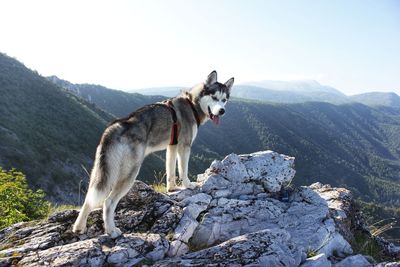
[97,191]
[104,172]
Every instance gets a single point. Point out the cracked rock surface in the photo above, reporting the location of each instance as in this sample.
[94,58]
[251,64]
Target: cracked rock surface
[262,248]
[243,213]
[145,216]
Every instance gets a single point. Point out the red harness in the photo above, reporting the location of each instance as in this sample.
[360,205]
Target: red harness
[175,125]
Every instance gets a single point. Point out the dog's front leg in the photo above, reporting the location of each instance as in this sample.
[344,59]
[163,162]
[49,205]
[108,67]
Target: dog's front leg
[170,167]
[183,163]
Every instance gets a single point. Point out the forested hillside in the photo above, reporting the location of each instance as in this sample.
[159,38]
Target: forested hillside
[46,132]
[350,145]
[50,134]
[116,102]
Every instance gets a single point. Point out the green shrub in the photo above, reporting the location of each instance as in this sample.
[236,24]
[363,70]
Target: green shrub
[17,201]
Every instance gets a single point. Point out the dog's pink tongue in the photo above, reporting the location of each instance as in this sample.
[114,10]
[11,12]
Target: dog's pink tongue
[215,119]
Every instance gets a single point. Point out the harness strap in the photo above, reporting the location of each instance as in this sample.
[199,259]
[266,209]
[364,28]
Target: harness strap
[175,129]
[175,126]
[195,113]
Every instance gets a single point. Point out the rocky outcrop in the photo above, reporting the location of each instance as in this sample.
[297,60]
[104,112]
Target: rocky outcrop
[252,205]
[243,213]
[145,216]
[262,248]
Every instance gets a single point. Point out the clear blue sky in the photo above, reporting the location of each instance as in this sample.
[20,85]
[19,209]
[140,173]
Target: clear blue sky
[353,46]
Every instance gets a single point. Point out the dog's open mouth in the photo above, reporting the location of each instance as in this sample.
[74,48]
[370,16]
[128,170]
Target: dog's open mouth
[214,118]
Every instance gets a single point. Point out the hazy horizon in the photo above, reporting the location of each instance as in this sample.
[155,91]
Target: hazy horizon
[127,45]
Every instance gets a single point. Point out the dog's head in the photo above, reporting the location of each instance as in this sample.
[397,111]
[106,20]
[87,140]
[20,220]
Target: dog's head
[214,96]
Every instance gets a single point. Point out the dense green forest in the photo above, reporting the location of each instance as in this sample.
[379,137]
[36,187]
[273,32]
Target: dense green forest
[383,220]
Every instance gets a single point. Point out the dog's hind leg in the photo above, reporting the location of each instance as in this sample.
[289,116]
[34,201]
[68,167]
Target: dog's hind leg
[119,191]
[94,200]
[80,223]
[170,166]
[94,197]
[129,170]
[183,163]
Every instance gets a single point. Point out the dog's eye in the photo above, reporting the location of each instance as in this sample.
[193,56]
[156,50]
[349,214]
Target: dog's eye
[224,100]
[214,98]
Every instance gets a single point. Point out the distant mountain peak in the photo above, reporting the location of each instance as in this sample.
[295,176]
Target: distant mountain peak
[304,86]
[378,99]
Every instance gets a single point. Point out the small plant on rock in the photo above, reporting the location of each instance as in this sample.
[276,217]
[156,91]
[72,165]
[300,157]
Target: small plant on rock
[159,185]
[17,201]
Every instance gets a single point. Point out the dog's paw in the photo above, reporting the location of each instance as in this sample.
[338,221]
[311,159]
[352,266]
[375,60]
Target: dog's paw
[114,232]
[190,185]
[173,188]
[78,229]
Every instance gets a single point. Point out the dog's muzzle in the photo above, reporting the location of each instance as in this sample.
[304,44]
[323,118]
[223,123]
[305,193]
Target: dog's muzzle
[214,118]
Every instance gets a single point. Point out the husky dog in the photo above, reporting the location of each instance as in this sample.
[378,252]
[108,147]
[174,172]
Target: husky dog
[170,125]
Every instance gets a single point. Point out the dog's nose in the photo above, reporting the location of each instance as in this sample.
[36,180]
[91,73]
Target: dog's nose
[221,111]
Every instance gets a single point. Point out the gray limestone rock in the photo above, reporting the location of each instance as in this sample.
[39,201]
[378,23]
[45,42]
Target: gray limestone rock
[177,248]
[319,260]
[307,214]
[354,261]
[52,241]
[263,248]
[388,264]
[99,251]
[250,174]
[243,213]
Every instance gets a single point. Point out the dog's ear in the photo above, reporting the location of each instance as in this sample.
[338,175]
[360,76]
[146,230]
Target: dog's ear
[229,83]
[212,78]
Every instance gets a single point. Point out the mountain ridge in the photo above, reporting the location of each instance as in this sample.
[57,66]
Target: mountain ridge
[295,86]
[318,134]
[297,127]
[389,99]
[105,97]
[291,92]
